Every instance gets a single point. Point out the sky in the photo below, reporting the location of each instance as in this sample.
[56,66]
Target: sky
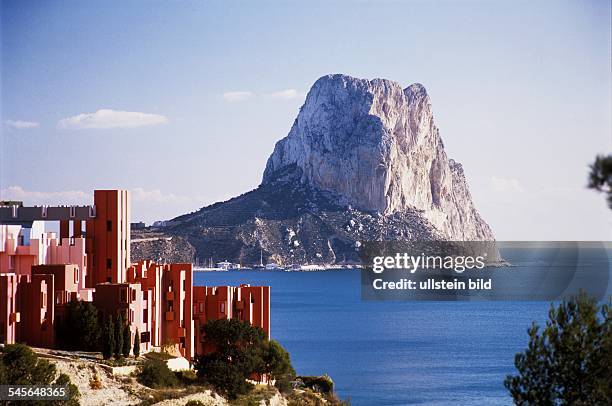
[182,102]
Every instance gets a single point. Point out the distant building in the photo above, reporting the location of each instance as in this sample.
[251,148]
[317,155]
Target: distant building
[138,226]
[40,273]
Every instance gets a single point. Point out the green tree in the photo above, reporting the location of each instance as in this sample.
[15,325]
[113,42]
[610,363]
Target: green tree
[570,361]
[119,328]
[127,340]
[278,365]
[108,343]
[22,366]
[600,176]
[238,354]
[83,317]
[136,344]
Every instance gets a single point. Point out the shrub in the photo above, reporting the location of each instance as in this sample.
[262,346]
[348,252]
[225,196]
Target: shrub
[194,403]
[156,374]
[322,384]
[73,391]
[21,366]
[187,376]
[95,383]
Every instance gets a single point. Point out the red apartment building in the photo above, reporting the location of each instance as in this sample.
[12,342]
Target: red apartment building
[247,303]
[40,273]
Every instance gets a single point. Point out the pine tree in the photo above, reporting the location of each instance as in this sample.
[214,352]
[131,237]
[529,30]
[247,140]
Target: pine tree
[118,336]
[137,344]
[568,362]
[127,341]
[108,345]
[600,176]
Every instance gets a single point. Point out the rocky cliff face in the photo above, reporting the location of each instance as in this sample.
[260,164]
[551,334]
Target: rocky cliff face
[363,161]
[377,147]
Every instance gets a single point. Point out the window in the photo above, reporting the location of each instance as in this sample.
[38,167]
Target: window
[145,316]
[133,294]
[170,305]
[109,225]
[201,307]
[123,295]
[11,262]
[131,316]
[222,307]
[109,263]
[76,276]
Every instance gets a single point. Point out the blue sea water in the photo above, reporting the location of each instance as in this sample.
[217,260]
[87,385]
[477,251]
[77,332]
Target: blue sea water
[392,353]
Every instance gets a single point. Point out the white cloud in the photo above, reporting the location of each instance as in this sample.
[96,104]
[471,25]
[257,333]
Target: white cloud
[71,197]
[157,196]
[147,205]
[106,118]
[29,197]
[506,185]
[237,96]
[287,94]
[20,124]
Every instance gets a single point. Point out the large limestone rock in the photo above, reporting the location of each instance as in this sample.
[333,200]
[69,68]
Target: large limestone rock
[376,147]
[363,161]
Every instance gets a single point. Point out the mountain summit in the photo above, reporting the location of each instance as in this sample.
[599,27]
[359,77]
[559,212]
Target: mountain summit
[363,161]
[377,147]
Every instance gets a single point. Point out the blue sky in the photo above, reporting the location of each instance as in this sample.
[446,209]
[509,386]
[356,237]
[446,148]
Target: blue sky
[521,93]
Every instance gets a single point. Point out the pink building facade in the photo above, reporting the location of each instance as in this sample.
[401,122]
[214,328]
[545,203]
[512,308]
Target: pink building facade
[40,273]
[250,304]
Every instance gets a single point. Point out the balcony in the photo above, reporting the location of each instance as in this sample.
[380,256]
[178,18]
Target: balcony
[15,317]
[169,295]
[170,316]
[181,332]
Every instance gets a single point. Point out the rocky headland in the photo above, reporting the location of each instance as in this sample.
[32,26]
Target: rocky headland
[363,161]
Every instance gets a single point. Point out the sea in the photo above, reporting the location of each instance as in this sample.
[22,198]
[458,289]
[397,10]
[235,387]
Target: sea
[392,353]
